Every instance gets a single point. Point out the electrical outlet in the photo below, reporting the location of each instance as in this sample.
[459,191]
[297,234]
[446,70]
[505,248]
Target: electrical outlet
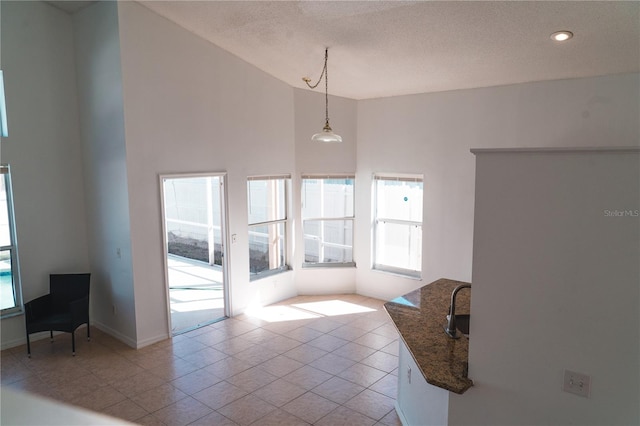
[234,238]
[577,383]
[409,374]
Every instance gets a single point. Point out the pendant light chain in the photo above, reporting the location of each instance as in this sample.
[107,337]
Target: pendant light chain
[326,135]
[324,74]
[326,87]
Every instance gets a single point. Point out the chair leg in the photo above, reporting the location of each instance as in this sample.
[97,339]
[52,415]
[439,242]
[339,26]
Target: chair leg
[51,331]
[73,343]
[28,346]
[88,332]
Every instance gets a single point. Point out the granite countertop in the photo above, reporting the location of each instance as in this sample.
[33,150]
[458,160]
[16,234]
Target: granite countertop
[419,317]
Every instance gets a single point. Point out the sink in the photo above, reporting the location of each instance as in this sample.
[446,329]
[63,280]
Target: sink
[462,323]
[457,322]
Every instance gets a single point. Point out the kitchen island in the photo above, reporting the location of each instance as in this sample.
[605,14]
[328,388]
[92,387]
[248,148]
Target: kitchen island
[432,364]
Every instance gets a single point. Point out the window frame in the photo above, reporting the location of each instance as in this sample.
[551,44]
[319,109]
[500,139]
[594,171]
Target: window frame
[376,219]
[351,218]
[18,309]
[284,221]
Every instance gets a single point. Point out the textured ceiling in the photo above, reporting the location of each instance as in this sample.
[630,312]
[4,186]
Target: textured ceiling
[387,48]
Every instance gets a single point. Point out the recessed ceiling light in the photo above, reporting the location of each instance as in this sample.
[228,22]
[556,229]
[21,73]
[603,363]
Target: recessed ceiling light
[561,35]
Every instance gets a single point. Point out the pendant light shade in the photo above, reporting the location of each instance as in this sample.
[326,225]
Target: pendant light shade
[326,135]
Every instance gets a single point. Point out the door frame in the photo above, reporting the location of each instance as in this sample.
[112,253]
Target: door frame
[223,232]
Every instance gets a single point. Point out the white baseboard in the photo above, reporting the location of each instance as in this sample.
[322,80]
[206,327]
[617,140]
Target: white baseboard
[127,340]
[110,331]
[34,337]
[151,340]
[400,414]
[114,333]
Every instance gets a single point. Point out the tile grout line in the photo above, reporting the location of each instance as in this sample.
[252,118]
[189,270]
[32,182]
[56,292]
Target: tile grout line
[270,339]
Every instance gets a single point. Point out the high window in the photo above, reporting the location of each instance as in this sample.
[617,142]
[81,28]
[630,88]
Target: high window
[10,292]
[398,224]
[267,202]
[327,220]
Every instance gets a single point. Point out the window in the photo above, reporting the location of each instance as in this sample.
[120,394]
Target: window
[327,220]
[10,293]
[267,201]
[398,224]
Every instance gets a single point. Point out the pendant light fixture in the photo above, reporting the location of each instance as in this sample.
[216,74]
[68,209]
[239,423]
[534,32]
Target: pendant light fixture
[326,135]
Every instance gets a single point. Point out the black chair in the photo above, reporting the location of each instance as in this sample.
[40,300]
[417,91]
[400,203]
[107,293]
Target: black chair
[65,308]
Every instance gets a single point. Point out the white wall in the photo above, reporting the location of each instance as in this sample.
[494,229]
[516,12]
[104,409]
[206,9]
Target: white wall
[187,106]
[432,134]
[43,148]
[555,287]
[104,159]
[322,158]
[192,107]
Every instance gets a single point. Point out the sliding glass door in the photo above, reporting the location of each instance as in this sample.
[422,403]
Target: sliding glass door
[195,242]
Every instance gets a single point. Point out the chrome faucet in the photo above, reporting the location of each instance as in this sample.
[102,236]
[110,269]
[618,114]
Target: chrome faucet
[450,328]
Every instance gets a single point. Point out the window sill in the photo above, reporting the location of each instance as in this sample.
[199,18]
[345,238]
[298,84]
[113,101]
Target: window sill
[329,265]
[270,273]
[412,275]
[12,314]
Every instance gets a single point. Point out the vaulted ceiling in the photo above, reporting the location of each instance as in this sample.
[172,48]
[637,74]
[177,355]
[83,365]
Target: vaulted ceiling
[387,48]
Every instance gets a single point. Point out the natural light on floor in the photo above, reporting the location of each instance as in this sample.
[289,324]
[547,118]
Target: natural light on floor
[300,311]
[280,313]
[331,308]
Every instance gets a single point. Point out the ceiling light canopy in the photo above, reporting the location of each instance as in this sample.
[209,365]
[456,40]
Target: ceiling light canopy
[561,35]
[326,135]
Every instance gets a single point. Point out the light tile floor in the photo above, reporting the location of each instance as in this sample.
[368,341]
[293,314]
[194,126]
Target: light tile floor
[334,364]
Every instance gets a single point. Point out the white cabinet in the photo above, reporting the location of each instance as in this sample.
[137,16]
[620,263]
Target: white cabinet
[418,403]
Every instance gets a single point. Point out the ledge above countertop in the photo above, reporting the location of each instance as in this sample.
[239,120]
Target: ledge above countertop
[419,317]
